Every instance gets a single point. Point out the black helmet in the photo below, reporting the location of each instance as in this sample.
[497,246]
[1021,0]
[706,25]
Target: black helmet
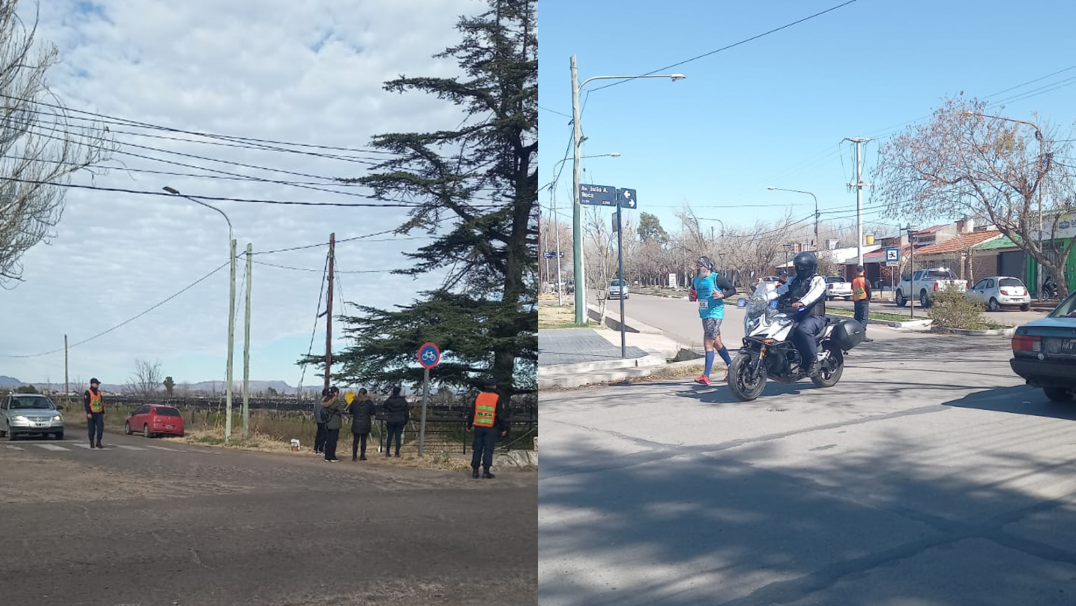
[806,263]
[491,384]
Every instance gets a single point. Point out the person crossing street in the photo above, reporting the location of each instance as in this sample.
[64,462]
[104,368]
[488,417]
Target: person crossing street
[709,290]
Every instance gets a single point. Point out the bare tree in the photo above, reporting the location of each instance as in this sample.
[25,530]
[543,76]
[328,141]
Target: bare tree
[600,257]
[967,162]
[39,147]
[146,380]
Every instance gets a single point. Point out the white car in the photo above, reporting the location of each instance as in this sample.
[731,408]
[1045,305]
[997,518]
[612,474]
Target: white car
[618,290]
[996,292]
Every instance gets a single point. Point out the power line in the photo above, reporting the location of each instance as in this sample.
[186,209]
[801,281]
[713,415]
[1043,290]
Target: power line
[313,332]
[733,45]
[369,271]
[553,111]
[128,321]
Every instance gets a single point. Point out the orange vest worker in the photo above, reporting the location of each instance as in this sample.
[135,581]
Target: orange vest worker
[859,288]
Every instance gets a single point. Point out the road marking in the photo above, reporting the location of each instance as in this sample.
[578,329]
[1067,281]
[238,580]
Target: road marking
[129,447]
[13,447]
[51,447]
[162,448]
[86,446]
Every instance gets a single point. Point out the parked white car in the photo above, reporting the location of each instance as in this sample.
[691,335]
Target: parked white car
[996,292]
[837,286]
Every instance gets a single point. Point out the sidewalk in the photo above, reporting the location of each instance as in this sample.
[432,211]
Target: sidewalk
[573,357]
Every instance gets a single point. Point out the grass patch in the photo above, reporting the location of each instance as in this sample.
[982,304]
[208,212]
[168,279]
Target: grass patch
[873,316]
[560,316]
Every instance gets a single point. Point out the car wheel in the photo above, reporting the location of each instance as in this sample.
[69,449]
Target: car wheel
[1025,307]
[848,298]
[1058,394]
[901,301]
[993,304]
[924,300]
[10,435]
[59,435]
[127,428]
[145,431]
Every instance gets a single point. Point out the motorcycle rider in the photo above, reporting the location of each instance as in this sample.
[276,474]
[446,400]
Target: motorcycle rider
[807,290]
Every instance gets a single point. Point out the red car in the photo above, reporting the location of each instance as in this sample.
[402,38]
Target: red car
[154,420]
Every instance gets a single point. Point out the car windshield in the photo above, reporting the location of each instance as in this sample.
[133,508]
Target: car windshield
[1010,282]
[941,275]
[168,412]
[615,283]
[832,279]
[1067,309]
[37,403]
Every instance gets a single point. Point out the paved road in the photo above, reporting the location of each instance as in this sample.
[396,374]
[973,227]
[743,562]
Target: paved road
[148,522]
[928,476]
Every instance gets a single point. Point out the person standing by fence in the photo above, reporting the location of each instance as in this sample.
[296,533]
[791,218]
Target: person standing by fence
[362,415]
[332,416]
[488,420]
[397,413]
[319,418]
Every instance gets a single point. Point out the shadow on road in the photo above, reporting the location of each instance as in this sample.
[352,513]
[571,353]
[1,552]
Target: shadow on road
[1022,400]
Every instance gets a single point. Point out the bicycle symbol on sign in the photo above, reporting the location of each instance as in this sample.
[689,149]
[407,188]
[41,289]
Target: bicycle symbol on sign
[429,355]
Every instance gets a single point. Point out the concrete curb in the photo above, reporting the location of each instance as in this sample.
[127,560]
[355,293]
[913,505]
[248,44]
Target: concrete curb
[612,320]
[994,332]
[618,364]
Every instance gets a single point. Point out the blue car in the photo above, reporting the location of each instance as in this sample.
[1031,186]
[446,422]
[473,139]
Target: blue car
[1044,352]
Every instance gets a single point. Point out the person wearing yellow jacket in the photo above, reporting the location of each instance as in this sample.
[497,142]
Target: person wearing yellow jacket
[488,420]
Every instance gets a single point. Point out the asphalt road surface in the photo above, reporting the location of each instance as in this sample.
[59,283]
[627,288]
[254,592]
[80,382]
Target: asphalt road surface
[148,522]
[929,476]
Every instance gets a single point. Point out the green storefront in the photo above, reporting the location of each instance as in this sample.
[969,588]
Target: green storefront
[1013,261]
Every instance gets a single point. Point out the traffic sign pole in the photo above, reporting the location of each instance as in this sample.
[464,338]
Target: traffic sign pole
[620,272]
[425,398]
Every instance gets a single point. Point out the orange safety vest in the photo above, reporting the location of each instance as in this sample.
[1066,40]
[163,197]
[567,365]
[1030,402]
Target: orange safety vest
[859,288]
[485,409]
[96,405]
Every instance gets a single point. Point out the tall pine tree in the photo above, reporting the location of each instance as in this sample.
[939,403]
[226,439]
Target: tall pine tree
[481,180]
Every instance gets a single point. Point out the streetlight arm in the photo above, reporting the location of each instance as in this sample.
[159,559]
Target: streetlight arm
[674,77]
[175,192]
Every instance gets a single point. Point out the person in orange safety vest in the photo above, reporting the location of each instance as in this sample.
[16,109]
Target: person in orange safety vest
[95,413]
[488,419]
[861,295]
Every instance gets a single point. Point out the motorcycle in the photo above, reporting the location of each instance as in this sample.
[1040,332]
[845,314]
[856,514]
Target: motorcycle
[769,353]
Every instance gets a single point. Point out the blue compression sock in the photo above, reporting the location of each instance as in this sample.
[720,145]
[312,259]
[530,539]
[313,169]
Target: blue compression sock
[709,362]
[724,353]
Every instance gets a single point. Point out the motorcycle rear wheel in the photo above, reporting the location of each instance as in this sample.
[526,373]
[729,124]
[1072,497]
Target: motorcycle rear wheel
[831,370]
[741,382]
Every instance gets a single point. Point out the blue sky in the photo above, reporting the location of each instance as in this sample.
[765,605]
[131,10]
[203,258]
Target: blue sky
[774,111]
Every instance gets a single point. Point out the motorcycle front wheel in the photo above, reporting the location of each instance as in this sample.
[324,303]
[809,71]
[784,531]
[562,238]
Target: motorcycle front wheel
[831,370]
[742,381]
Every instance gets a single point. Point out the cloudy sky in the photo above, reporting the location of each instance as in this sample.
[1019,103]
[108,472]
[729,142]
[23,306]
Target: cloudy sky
[304,72]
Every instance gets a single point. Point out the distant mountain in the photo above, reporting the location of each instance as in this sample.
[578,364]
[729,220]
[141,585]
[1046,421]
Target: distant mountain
[9,382]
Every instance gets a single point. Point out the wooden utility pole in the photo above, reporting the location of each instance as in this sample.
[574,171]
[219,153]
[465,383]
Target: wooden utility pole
[246,354]
[66,388]
[329,315]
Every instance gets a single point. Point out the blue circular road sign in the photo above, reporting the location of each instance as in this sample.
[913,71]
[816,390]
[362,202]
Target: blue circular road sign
[429,355]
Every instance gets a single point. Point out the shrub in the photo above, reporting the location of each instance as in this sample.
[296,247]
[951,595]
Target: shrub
[951,309]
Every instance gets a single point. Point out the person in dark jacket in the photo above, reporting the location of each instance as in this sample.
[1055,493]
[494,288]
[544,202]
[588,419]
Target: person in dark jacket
[488,420]
[362,415]
[331,413]
[95,413]
[319,438]
[397,413]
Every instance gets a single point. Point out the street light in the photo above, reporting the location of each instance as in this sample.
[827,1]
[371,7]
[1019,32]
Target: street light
[1039,138]
[816,215]
[231,308]
[553,189]
[577,138]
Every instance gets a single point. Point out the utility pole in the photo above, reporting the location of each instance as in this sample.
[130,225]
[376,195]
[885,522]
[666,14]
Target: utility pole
[329,314]
[246,353]
[859,185]
[581,314]
[231,350]
[556,226]
[67,401]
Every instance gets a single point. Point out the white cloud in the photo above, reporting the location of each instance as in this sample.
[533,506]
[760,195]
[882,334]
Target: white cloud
[309,72]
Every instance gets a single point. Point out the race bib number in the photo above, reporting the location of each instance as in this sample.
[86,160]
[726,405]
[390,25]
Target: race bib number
[704,305]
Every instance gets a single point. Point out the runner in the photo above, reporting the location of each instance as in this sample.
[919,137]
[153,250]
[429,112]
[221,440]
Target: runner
[709,290]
